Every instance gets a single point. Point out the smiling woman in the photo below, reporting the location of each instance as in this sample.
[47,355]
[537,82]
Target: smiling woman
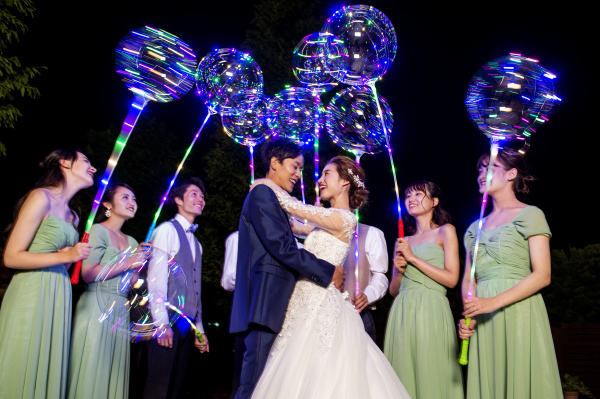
[420,330]
[511,337]
[99,361]
[35,319]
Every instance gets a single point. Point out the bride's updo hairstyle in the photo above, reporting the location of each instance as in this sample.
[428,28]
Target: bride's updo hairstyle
[510,158]
[350,171]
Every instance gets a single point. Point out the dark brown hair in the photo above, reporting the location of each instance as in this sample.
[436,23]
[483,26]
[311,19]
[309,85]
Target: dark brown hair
[52,176]
[440,216]
[357,196]
[280,149]
[510,158]
[109,196]
[180,189]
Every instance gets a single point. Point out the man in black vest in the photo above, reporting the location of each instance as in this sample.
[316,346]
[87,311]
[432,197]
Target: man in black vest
[169,354]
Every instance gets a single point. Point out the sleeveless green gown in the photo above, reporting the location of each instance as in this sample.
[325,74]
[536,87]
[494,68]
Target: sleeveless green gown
[511,354]
[35,321]
[420,338]
[99,360]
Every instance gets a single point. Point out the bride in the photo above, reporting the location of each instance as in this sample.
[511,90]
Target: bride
[323,350]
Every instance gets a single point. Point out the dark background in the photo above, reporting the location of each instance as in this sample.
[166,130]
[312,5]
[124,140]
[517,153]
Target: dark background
[83,103]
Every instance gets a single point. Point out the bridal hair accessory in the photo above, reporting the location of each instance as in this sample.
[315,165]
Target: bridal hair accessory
[107,213]
[357,180]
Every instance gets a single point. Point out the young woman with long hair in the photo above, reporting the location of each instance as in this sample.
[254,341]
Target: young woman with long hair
[35,319]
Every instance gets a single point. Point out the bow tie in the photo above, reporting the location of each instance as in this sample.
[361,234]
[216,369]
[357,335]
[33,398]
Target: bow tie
[192,228]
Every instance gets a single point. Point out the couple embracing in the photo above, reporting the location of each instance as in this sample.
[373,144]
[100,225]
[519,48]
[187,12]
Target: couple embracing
[303,338]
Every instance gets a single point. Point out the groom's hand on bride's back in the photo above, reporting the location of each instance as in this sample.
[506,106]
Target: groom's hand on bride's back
[338,277]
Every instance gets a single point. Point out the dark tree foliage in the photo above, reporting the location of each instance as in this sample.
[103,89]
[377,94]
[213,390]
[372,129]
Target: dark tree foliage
[573,296]
[147,164]
[277,27]
[14,78]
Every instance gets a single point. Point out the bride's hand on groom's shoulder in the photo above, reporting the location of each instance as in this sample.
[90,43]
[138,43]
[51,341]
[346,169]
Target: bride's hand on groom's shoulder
[264,181]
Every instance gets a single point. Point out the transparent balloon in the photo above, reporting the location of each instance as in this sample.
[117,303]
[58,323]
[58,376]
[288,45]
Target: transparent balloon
[310,60]
[227,79]
[370,41]
[354,123]
[511,97]
[155,64]
[139,291]
[293,113]
[249,127]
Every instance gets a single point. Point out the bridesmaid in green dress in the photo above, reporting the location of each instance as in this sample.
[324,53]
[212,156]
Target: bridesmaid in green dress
[420,339]
[99,361]
[511,353]
[35,319]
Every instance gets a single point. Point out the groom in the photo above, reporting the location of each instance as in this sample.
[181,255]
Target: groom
[269,263]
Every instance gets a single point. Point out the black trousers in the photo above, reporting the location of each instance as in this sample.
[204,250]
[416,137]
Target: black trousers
[367,319]
[167,366]
[258,341]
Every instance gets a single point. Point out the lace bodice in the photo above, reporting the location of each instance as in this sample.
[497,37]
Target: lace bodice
[311,303]
[339,223]
[325,246]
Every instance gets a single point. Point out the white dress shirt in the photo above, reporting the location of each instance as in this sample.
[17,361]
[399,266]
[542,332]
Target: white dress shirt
[376,251]
[166,239]
[230,261]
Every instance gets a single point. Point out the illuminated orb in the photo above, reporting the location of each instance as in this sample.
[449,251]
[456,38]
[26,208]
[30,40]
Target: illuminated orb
[155,64]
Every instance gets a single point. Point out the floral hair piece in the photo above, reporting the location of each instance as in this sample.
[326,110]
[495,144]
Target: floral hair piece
[357,180]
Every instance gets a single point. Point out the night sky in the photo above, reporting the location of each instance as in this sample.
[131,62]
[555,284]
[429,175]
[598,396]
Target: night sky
[438,51]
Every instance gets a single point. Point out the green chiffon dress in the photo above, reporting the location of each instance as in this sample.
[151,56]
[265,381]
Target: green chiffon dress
[35,321]
[99,360]
[511,354]
[420,338]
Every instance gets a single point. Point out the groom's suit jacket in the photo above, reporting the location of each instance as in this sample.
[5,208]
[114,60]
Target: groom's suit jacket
[269,263]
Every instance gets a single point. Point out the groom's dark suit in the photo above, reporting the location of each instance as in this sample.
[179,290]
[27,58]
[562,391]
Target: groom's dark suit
[269,263]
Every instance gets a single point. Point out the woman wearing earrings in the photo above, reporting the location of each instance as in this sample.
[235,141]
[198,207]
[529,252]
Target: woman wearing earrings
[322,350]
[99,361]
[420,341]
[35,319]
[511,353]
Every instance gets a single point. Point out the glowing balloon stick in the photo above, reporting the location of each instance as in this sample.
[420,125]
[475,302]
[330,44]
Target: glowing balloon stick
[166,195]
[316,149]
[488,181]
[389,148]
[302,186]
[131,119]
[356,284]
[180,313]
[251,148]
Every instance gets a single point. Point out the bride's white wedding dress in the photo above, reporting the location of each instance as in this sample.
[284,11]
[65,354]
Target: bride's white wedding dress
[323,350]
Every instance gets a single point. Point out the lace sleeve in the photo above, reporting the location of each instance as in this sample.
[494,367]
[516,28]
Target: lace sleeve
[338,222]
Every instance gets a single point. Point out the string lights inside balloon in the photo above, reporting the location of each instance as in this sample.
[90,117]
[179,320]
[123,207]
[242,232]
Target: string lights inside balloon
[292,114]
[370,40]
[156,66]
[354,123]
[310,67]
[138,302]
[228,82]
[509,98]
[249,127]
